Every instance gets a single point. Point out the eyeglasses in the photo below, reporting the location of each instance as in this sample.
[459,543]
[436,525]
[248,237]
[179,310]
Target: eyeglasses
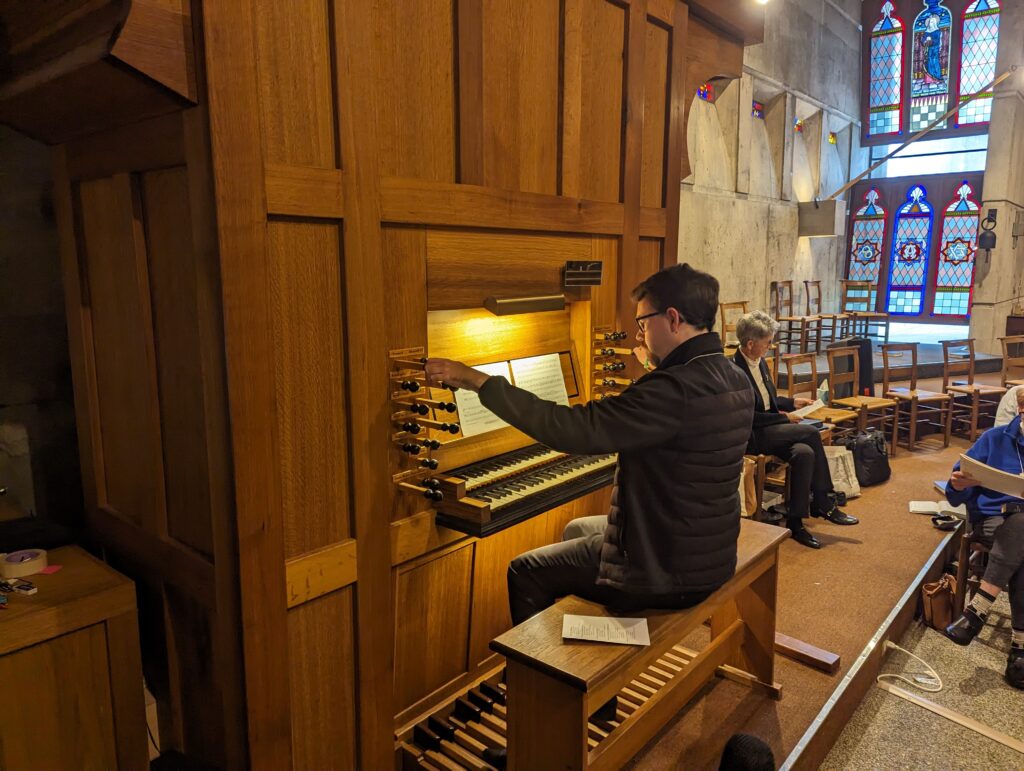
[640,319]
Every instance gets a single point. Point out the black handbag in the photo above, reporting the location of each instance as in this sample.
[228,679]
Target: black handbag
[870,457]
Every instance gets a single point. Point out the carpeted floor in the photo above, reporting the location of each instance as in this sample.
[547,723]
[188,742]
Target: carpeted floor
[834,598]
[890,732]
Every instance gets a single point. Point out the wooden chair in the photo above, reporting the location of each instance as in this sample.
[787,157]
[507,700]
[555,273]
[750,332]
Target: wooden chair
[809,388]
[872,411]
[916,405]
[769,471]
[1013,359]
[970,399]
[555,683]
[858,302]
[970,567]
[729,313]
[832,326]
[802,333]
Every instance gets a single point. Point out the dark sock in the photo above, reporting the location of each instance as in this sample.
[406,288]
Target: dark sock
[794,523]
[981,603]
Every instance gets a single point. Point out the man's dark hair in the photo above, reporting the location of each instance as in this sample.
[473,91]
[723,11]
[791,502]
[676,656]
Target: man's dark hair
[744,752]
[691,292]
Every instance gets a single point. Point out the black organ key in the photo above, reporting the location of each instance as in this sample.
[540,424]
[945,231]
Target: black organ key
[483,702]
[492,692]
[442,728]
[426,738]
[465,711]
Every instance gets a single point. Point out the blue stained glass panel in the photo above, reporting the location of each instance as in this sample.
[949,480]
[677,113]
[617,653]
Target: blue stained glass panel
[866,242]
[908,259]
[929,82]
[978,59]
[955,276]
[886,73]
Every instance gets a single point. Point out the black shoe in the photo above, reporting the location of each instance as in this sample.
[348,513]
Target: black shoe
[496,756]
[804,537]
[965,628]
[836,516]
[1015,668]
[606,712]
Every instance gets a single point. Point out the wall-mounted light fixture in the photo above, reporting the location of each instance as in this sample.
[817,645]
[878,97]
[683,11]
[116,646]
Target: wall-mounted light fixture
[509,306]
[986,238]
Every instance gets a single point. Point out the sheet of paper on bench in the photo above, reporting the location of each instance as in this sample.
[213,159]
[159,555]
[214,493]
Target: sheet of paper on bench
[623,631]
[474,418]
[541,376]
[992,478]
[803,412]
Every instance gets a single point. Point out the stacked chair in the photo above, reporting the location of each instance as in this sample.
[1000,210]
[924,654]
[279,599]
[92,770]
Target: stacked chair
[796,333]
[971,401]
[831,326]
[858,304]
[730,313]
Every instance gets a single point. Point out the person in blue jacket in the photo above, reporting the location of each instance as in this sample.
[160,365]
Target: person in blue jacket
[999,519]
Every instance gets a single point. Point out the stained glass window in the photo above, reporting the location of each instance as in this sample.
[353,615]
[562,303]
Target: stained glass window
[798,126]
[978,59]
[866,241]
[929,82]
[885,95]
[959,244]
[908,260]
[706,92]
[757,110]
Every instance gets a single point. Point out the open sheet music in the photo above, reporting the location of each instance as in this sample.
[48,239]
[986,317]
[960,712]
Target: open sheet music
[541,376]
[474,418]
[992,478]
[623,631]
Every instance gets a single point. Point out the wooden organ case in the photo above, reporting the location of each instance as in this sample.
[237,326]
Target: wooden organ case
[252,271]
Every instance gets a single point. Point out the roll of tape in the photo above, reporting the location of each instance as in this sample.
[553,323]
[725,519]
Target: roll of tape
[26,562]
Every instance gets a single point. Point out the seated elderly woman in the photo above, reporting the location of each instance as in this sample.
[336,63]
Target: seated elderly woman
[999,520]
[775,432]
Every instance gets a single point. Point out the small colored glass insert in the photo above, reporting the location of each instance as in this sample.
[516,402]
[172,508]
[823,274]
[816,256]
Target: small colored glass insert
[758,110]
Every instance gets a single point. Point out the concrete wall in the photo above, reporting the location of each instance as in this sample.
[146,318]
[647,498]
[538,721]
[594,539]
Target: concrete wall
[38,445]
[999,279]
[738,213]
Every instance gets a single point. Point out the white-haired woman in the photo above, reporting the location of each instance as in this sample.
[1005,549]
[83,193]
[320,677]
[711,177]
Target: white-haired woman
[776,432]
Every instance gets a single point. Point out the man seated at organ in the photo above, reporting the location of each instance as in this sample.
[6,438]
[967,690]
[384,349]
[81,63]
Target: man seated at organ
[776,431]
[669,539]
[997,520]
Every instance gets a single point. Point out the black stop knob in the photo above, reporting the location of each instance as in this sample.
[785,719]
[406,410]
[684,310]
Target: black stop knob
[411,448]
[429,463]
[448,406]
[410,385]
[451,428]
[432,444]
[419,409]
[412,428]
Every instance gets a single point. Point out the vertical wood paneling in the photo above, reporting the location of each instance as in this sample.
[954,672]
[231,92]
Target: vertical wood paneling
[118,289]
[322,680]
[605,297]
[520,95]
[655,131]
[307,306]
[196,681]
[416,122]
[296,94]
[593,105]
[432,603]
[175,324]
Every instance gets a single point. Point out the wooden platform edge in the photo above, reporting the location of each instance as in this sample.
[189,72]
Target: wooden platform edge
[823,731]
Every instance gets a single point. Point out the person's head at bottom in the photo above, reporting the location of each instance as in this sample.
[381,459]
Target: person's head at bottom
[744,752]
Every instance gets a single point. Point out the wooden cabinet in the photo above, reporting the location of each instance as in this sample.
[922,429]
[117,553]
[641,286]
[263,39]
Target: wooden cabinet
[70,666]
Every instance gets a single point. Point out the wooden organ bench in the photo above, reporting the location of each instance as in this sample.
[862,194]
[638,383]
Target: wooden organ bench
[553,685]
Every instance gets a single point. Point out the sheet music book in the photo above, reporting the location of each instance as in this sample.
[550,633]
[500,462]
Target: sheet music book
[992,478]
[803,412]
[474,418]
[541,376]
[938,507]
[621,631]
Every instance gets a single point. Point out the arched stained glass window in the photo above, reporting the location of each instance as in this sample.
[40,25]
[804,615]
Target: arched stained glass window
[955,276]
[908,261]
[885,95]
[978,59]
[929,82]
[866,241]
